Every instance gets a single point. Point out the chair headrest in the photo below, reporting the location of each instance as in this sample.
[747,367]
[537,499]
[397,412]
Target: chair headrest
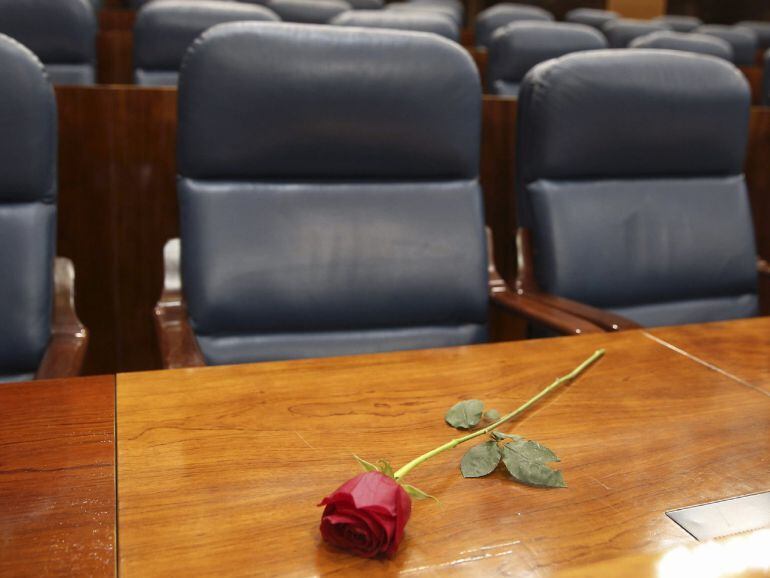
[416,21]
[164,29]
[622,31]
[489,20]
[264,101]
[680,23]
[632,113]
[57,31]
[29,127]
[688,42]
[308,11]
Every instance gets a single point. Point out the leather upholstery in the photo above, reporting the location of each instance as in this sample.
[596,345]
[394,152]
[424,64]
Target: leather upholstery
[760,28]
[61,33]
[518,47]
[367,4]
[27,209]
[743,40]
[680,23]
[622,31]
[446,10]
[415,21]
[687,42]
[499,15]
[318,224]
[645,212]
[591,17]
[308,11]
[164,29]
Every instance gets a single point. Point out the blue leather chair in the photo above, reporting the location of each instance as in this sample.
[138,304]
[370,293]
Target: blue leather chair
[414,21]
[687,42]
[760,28]
[61,33]
[634,201]
[744,41]
[518,47]
[164,29]
[308,11]
[339,211]
[449,11]
[367,4]
[593,17]
[499,15]
[621,32]
[40,335]
[680,23]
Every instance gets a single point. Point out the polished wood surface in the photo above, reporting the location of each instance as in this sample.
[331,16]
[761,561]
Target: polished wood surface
[638,8]
[57,490]
[739,348]
[114,46]
[220,469]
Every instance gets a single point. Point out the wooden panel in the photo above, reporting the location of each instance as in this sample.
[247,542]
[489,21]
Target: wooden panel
[719,11]
[114,47]
[246,452]
[741,348]
[638,8]
[57,478]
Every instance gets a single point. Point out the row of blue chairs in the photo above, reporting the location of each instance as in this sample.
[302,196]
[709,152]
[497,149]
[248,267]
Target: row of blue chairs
[330,203]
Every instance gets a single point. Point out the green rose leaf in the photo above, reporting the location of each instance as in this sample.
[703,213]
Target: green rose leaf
[385,467]
[492,415]
[417,493]
[480,460]
[499,436]
[368,467]
[465,414]
[526,461]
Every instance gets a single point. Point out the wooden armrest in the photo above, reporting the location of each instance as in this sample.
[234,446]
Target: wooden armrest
[763,267]
[178,345]
[69,338]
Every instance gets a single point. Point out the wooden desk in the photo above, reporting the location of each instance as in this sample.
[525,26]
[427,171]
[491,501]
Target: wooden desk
[740,348]
[220,469]
[57,484]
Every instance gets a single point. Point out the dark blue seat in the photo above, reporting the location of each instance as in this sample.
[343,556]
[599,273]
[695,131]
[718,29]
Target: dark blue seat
[760,28]
[687,42]
[744,41]
[416,21]
[499,15]
[518,47]
[308,11]
[61,33]
[636,199]
[448,10]
[28,153]
[680,23]
[594,17]
[164,29]
[622,31]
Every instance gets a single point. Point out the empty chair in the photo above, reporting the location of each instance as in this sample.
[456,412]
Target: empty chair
[366,4]
[499,15]
[760,28]
[164,29]
[743,41]
[447,11]
[680,23]
[415,21]
[340,211]
[698,43]
[766,80]
[593,17]
[622,31]
[308,11]
[37,339]
[518,47]
[635,200]
[61,33]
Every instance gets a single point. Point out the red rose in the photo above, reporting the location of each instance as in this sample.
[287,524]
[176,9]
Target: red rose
[366,515]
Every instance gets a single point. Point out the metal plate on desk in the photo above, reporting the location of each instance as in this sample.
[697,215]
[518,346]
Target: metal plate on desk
[724,518]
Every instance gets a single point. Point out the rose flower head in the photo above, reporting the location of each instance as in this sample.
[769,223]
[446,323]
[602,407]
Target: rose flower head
[366,515]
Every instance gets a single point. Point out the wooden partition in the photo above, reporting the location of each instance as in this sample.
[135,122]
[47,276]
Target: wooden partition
[118,206]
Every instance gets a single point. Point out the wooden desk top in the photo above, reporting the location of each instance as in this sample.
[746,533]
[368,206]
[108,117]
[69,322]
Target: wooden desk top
[740,348]
[220,469]
[57,484]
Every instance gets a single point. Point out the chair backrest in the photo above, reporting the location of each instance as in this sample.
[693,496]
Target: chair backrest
[760,28]
[499,15]
[333,205]
[450,11]
[518,47]
[164,29]
[367,4]
[687,42]
[593,17]
[622,31]
[27,209]
[680,23]
[636,199]
[61,33]
[744,41]
[415,21]
[308,11]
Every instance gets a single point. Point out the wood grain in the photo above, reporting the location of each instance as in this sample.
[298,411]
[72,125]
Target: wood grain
[740,348]
[114,46]
[220,469]
[57,484]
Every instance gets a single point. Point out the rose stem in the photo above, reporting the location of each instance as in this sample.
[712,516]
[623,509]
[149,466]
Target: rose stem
[457,441]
